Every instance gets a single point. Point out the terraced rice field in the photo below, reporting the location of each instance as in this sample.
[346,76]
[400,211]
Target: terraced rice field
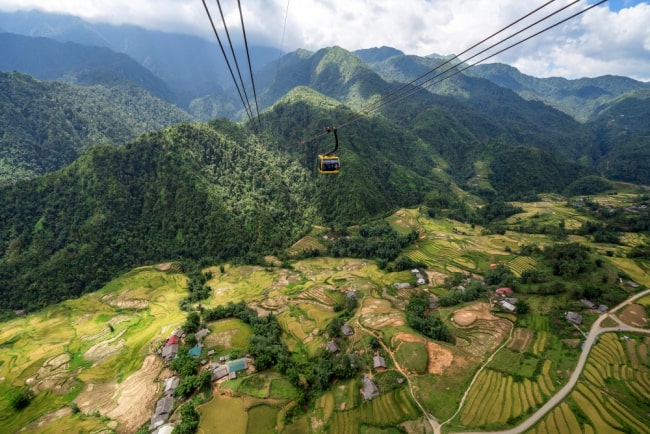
[388,409]
[522,263]
[612,395]
[510,399]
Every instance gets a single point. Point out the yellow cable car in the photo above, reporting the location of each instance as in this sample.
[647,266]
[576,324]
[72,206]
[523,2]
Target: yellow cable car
[329,163]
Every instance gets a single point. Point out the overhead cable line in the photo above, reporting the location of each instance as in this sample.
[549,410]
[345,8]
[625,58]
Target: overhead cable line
[232,74]
[234,56]
[459,70]
[412,88]
[412,82]
[250,67]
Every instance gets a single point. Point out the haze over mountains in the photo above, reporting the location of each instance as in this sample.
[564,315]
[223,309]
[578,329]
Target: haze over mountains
[213,190]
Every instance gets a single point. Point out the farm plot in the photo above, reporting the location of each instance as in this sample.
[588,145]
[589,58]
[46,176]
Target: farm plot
[611,395]
[514,399]
[522,263]
[521,338]
[389,409]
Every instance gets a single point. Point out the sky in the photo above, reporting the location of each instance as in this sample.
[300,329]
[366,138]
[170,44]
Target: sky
[610,39]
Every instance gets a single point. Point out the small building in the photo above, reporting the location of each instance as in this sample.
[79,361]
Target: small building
[170,384]
[169,352]
[219,372]
[237,365]
[201,334]
[433,302]
[162,412]
[574,318]
[332,347]
[210,353]
[347,330]
[195,351]
[508,307]
[173,339]
[402,285]
[588,304]
[369,389]
[602,308]
[178,333]
[504,291]
[378,362]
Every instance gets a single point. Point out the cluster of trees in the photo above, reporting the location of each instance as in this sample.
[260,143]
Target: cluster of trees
[568,260]
[198,290]
[420,318]
[377,240]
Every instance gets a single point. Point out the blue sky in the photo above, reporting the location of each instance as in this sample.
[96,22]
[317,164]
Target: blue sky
[613,38]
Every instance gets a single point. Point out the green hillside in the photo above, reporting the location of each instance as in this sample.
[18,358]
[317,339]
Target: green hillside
[190,191]
[46,125]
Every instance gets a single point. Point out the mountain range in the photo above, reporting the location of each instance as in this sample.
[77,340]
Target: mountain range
[107,160]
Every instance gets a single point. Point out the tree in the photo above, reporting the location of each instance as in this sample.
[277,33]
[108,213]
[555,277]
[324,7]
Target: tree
[192,323]
[522,307]
[22,399]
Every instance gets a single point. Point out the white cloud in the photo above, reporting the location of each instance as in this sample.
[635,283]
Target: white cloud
[598,42]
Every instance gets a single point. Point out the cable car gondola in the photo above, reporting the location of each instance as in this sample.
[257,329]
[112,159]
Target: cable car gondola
[329,163]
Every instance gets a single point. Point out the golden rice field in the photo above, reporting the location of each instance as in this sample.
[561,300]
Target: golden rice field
[612,394]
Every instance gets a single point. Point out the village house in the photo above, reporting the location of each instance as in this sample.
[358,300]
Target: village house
[588,304]
[369,389]
[170,384]
[235,366]
[574,318]
[201,334]
[163,410]
[378,362]
[219,371]
[506,306]
[503,292]
[332,347]
[347,330]
[402,285]
[195,351]
[169,352]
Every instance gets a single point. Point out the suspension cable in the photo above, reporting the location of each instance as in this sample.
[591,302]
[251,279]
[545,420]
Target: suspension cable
[223,52]
[250,68]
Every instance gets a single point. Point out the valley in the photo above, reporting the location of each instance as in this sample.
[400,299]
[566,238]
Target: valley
[92,364]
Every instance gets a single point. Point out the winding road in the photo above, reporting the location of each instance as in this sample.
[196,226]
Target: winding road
[595,331]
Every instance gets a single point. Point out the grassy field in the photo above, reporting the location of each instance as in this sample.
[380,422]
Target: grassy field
[412,356]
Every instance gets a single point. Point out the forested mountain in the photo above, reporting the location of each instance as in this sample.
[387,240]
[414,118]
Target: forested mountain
[47,59]
[623,136]
[45,125]
[191,191]
[581,98]
[192,67]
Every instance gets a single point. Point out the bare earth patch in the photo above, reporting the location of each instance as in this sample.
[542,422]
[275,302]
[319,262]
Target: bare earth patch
[634,315]
[131,402]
